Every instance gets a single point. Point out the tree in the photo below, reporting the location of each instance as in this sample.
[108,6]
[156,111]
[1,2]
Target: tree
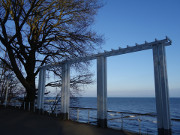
[39,32]
[8,81]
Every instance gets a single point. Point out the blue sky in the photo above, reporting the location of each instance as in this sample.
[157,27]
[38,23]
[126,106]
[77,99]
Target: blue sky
[126,22]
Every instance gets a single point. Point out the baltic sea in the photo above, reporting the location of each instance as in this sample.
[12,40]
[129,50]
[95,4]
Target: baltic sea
[139,114]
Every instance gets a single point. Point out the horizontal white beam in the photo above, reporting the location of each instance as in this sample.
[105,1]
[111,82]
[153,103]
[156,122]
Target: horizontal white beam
[120,51]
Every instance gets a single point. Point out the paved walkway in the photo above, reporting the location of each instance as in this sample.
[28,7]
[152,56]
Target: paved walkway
[17,122]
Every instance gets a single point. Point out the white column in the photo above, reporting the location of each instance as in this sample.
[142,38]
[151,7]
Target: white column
[41,88]
[65,96]
[161,89]
[6,96]
[102,91]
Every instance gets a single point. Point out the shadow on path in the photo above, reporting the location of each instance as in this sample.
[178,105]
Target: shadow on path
[18,122]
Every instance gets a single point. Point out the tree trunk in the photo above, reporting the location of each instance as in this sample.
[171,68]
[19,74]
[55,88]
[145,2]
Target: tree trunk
[30,93]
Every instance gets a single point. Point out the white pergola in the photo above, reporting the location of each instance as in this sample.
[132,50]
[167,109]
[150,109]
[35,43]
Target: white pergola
[160,75]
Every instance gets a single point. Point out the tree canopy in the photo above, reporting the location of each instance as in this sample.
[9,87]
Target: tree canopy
[38,32]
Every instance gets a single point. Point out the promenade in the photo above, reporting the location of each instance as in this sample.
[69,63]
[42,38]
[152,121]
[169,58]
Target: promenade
[18,122]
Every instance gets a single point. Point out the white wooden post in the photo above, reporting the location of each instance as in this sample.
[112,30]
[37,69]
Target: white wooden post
[102,91]
[65,97]
[6,96]
[41,88]
[161,89]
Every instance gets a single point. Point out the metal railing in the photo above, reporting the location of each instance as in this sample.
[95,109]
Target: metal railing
[117,120]
[52,109]
[90,119]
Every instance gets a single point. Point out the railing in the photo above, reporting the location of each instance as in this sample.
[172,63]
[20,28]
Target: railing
[116,120]
[137,122]
[52,109]
[91,117]
[27,106]
[21,105]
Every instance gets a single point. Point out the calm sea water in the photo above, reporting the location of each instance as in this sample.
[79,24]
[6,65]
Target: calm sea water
[132,119]
[145,123]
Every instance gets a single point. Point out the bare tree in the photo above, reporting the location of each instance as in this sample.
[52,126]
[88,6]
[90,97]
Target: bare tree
[9,85]
[38,32]
[76,83]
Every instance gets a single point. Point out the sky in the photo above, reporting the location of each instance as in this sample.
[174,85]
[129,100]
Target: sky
[126,22]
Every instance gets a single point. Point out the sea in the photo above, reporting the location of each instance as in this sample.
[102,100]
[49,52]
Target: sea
[124,113]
